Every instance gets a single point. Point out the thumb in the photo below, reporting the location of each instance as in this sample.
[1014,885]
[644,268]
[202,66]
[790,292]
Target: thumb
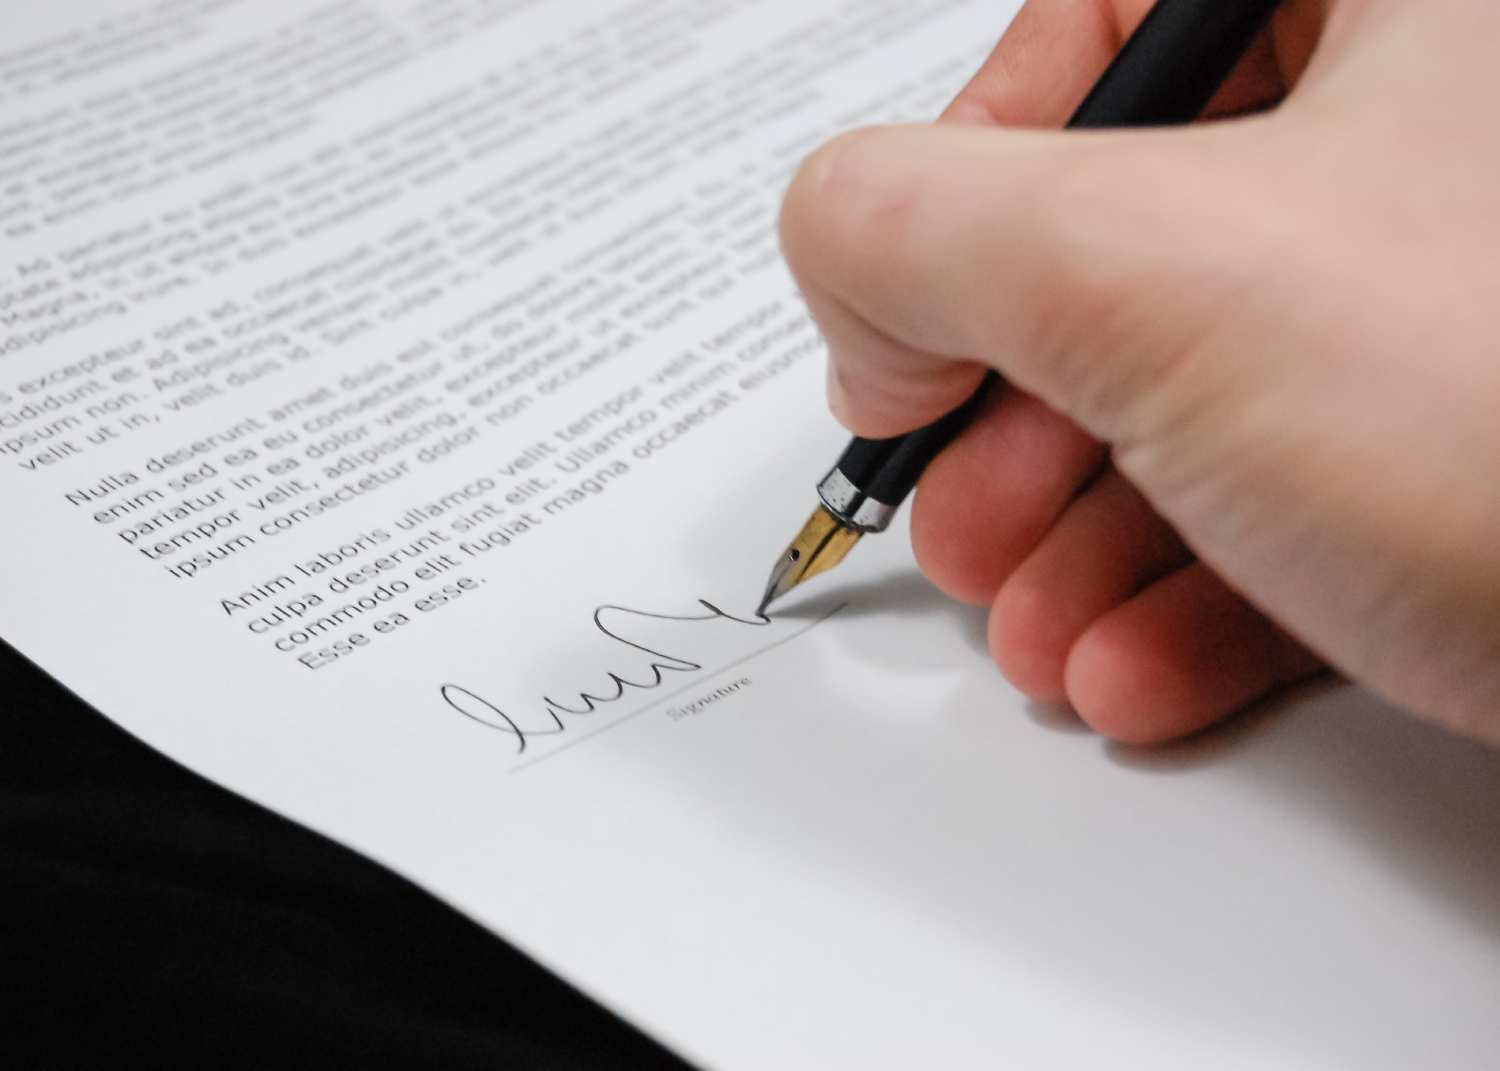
[1085,267]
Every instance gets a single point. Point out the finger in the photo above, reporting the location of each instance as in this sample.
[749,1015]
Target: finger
[1107,546]
[986,502]
[1054,51]
[1181,655]
[1040,254]
[921,380]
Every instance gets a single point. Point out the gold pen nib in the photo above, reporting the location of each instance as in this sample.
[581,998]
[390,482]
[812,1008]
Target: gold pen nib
[821,545]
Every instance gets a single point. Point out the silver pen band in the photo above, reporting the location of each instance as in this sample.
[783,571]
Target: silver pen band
[852,506]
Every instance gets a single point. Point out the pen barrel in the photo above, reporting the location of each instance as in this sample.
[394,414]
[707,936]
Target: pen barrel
[1174,63]
[873,476]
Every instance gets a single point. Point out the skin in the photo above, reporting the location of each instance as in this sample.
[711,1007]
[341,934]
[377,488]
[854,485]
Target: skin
[1251,427]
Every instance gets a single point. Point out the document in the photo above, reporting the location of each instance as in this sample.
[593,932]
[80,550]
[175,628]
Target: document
[401,404]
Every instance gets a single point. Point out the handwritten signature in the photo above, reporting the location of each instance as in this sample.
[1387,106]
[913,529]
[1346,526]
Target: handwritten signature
[552,712]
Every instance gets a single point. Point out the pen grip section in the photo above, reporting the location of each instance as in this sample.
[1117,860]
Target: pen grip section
[887,469]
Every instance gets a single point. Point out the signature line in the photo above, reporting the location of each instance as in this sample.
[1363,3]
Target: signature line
[678,691]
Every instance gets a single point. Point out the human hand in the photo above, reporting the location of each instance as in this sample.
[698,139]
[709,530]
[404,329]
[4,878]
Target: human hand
[1253,421]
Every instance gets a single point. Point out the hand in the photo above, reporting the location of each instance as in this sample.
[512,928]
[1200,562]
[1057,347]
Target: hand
[1253,421]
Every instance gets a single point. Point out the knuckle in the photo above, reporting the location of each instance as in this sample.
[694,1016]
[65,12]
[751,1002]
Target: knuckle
[848,191]
[1124,295]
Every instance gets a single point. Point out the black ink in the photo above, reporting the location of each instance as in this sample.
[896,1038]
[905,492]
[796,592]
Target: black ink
[477,708]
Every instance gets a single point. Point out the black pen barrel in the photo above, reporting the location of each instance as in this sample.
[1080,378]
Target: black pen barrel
[1174,63]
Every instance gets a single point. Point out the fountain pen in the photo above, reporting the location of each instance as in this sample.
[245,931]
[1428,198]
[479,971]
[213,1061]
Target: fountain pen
[1166,73]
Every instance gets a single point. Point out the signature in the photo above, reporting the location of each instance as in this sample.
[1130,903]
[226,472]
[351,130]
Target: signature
[551,714]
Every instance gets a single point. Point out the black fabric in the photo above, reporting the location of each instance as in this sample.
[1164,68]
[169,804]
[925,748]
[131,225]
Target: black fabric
[151,916]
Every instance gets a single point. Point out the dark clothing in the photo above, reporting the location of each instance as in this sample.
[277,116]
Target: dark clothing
[151,915]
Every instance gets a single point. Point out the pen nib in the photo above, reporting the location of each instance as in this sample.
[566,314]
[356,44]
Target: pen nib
[822,544]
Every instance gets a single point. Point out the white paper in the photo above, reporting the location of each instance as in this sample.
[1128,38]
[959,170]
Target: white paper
[475,307]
